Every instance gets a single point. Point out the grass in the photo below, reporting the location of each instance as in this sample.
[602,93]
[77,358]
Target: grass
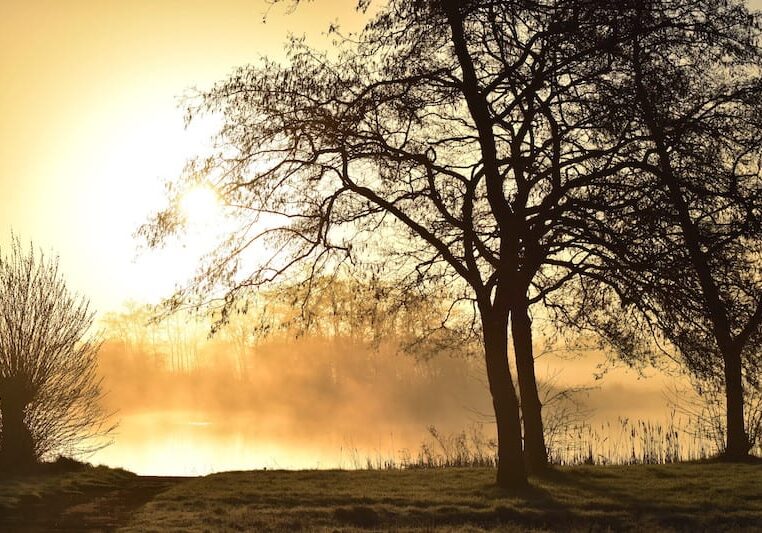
[625,442]
[683,497]
[44,485]
[75,497]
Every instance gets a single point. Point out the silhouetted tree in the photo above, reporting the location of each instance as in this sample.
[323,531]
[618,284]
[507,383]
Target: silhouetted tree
[683,252]
[452,141]
[49,391]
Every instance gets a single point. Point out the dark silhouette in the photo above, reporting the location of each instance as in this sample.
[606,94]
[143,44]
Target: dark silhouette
[48,387]
[683,247]
[458,138]
[469,147]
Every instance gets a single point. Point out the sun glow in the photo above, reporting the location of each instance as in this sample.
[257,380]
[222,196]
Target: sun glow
[200,205]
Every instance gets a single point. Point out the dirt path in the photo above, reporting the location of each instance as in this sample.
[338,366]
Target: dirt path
[95,509]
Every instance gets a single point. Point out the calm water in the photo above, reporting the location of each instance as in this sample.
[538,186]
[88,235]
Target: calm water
[194,443]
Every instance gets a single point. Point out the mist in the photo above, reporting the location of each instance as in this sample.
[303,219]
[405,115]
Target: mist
[189,403]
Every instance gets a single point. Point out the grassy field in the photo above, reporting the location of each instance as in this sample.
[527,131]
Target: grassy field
[682,497]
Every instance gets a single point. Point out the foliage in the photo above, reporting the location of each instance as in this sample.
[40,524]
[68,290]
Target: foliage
[449,142]
[491,152]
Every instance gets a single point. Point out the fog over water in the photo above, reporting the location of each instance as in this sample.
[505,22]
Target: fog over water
[189,405]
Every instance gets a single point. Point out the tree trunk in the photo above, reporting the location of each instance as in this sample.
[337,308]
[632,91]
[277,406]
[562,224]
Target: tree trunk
[511,472]
[16,443]
[535,452]
[737,441]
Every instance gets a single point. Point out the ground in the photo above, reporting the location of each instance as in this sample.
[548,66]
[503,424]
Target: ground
[687,497]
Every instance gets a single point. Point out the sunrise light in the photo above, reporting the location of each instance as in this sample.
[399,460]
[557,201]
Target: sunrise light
[200,205]
[353,265]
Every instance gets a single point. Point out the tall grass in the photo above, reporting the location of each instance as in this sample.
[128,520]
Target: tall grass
[622,442]
[631,441]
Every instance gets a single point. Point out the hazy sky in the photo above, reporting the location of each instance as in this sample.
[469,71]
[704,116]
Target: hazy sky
[91,125]
[90,120]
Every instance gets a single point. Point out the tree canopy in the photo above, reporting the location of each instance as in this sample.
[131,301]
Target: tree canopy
[684,253]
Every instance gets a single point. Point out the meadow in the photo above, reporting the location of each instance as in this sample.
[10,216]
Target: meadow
[699,496]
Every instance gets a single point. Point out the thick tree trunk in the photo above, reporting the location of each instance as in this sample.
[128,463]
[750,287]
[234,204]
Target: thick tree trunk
[535,452]
[16,443]
[737,440]
[511,472]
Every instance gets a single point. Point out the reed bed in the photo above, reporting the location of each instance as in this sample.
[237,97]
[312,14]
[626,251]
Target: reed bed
[624,441]
[627,442]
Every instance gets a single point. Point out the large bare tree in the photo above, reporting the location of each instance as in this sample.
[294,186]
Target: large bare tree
[49,390]
[453,142]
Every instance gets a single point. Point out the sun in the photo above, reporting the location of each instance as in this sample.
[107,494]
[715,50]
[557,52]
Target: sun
[200,205]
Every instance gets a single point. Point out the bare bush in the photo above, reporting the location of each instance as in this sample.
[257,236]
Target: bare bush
[49,391]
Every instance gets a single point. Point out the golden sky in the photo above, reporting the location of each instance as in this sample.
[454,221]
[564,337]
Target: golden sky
[90,124]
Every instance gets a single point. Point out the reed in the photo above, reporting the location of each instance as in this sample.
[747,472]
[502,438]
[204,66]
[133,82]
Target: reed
[624,441]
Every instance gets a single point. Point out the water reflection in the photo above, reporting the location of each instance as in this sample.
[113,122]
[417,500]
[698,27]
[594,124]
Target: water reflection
[186,443]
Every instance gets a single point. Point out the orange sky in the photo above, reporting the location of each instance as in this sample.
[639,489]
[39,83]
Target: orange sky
[90,120]
[90,125]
